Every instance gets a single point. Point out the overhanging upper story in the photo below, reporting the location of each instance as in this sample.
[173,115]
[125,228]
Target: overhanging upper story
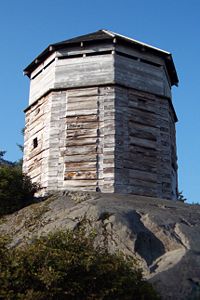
[101,58]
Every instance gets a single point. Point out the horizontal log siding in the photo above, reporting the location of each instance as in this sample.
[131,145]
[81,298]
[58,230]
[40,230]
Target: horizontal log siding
[57,140]
[84,71]
[42,83]
[35,162]
[81,140]
[145,145]
[72,72]
[89,149]
[105,124]
[142,76]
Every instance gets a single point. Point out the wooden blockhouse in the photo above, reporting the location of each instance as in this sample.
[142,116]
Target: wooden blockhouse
[101,118]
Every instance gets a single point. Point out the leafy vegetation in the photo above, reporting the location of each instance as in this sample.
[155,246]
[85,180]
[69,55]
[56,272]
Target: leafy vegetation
[2,160]
[2,153]
[16,189]
[65,265]
[181,197]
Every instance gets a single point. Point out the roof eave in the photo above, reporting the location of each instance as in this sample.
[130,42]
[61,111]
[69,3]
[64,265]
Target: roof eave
[167,56]
[33,65]
[53,47]
[128,39]
[109,36]
[172,70]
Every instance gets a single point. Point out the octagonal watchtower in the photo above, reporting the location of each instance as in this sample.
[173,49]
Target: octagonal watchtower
[101,118]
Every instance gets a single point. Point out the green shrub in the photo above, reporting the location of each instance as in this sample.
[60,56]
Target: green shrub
[181,197]
[16,189]
[65,265]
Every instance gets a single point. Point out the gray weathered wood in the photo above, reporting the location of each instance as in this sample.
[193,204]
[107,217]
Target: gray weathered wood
[103,122]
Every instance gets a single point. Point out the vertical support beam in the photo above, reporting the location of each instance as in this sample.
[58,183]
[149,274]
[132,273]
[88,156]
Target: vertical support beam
[107,121]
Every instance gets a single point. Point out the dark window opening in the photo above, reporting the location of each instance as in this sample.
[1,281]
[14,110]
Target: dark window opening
[37,111]
[39,72]
[85,54]
[35,143]
[138,58]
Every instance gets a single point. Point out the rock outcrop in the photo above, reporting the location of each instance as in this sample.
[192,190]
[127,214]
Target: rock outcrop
[163,235]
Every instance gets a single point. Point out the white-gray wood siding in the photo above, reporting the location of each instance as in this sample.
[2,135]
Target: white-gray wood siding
[141,76]
[102,123]
[73,72]
[146,162]
[63,70]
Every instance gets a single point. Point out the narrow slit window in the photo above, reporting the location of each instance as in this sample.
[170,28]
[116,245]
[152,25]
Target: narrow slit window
[35,143]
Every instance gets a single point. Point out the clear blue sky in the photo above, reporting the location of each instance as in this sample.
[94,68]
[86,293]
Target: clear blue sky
[27,27]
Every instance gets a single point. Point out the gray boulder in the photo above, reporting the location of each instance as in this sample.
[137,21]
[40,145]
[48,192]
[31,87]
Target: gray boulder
[163,235]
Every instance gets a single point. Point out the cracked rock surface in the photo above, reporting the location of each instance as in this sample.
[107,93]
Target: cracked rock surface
[163,235]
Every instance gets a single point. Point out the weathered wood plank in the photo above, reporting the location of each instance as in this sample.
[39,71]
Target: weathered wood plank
[43,82]
[73,133]
[137,53]
[143,142]
[110,138]
[90,49]
[80,183]
[84,71]
[86,112]
[79,93]
[138,75]
[81,166]
[83,150]
[77,175]
[80,158]
[81,142]
[82,105]
[81,118]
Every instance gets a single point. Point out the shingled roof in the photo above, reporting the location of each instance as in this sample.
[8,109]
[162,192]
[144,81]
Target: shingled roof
[104,36]
[98,35]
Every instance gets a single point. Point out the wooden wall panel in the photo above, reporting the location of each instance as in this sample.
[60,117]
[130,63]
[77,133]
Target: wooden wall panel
[146,161]
[35,162]
[89,147]
[82,135]
[84,71]
[74,50]
[106,123]
[142,76]
[43,82]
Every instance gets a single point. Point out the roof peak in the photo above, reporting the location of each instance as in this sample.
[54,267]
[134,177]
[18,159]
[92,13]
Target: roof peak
[102,33]
[115,34]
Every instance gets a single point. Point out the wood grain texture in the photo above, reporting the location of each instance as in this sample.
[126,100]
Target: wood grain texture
[145,144]
[103,122]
